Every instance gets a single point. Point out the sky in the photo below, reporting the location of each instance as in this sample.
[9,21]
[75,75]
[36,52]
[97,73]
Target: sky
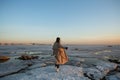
[74,21]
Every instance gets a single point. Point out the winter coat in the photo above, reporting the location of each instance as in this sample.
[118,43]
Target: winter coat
[59,53]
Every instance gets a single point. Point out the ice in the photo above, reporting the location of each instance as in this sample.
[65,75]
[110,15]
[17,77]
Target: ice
[85,63]
[11,67]
[100,70]
[93,73]
[103,66]
[113,77]
[39,72]
[37,66]
[49,73]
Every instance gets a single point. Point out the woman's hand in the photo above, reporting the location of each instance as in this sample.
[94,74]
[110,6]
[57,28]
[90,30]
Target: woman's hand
[66,48]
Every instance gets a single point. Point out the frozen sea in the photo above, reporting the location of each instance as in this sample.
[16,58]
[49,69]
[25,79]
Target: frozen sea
[89,57]
[17,50]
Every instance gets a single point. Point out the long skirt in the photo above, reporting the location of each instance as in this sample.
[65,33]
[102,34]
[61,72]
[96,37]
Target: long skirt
[61,56]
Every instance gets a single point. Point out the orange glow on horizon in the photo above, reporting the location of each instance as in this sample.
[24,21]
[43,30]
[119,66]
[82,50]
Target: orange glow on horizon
[70,41]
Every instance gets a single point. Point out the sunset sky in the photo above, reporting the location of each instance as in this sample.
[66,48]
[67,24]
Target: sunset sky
[75,21]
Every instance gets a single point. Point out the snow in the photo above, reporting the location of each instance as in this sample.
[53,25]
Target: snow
[113,77]
[49,73]
[93,73]
[85,63]
[37,66]
[11,67]
[105,67]
[100,70]
[40,71]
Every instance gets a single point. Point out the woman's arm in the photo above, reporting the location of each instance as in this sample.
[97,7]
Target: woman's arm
[60,46]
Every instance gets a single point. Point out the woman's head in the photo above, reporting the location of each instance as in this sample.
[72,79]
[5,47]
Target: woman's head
[58,39]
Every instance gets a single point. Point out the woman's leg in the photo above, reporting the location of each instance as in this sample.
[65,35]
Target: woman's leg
[57,65]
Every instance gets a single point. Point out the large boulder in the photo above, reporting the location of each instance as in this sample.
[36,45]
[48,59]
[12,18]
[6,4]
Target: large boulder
[114,60]
[4,58]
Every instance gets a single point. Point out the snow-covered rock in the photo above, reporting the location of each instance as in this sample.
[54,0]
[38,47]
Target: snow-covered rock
[49,73]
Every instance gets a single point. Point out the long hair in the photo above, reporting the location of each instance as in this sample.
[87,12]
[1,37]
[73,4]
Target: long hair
[58,39]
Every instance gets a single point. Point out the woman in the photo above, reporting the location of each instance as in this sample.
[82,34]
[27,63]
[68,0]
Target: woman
[59,53]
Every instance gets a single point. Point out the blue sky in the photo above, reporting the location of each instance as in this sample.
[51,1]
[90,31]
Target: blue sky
[75,21]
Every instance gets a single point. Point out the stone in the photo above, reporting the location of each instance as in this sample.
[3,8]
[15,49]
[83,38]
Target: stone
[28,57]
[4,58]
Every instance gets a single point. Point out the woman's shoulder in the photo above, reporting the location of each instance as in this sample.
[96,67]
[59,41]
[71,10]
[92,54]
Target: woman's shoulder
[56,43]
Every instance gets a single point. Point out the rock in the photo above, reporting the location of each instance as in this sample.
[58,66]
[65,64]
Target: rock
[113,77]
[109,46]
[29,64]
[118,68]
[28,57]
[4,58]
[76,49]
[114,60]
[49,73]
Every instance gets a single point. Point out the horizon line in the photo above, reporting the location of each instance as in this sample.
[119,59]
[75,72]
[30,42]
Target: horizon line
[36,43]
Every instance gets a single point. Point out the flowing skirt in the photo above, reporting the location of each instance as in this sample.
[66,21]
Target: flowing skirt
[61,56]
